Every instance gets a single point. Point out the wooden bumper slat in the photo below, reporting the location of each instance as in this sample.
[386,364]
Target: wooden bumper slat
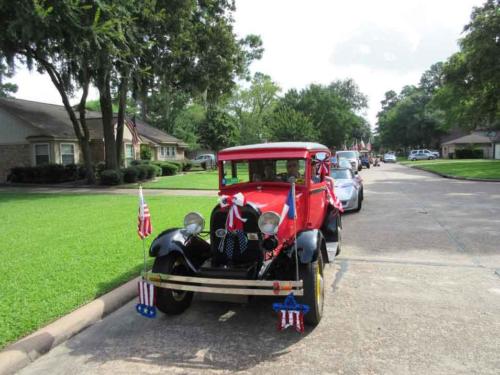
[156,277]
[219,290]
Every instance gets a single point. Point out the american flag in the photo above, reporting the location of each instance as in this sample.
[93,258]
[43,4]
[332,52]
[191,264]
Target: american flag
[144,227]
[132,126]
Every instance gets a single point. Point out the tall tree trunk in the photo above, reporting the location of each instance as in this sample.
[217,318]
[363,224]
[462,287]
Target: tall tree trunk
[103,85]
[80,128]
[85,140]
[122,102]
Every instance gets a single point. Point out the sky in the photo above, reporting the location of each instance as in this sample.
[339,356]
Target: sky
[382,44]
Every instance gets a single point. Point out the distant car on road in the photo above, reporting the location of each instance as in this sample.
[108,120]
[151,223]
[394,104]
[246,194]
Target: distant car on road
[353,157]
[344,163]
[348,187]
[365,161]
[389,157]
[421,155]
[208,159]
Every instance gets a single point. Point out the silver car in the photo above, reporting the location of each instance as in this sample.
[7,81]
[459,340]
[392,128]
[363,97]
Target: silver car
[352,156]
[421,155]
[348,187]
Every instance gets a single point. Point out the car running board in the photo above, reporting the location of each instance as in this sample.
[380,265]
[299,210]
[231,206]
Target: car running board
[225,286]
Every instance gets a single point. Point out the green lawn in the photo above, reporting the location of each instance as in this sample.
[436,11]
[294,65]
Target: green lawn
[471,168]
[191,180]
[61,251]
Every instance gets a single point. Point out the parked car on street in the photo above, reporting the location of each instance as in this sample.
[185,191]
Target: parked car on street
[421,155]
[353,157]
[349,188]
[207,159]
[389,157]
[253,250]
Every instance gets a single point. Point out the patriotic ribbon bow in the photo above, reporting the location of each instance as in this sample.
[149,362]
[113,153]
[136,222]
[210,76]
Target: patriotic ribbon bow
[234,202]
[333,199]
[322,168]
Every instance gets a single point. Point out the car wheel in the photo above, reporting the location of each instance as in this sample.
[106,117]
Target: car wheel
[368,166]
[169,301]
[430,158]
[360,201]
[314,290]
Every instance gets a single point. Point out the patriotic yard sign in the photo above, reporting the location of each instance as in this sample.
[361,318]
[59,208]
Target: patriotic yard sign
[146,305]
[291,314]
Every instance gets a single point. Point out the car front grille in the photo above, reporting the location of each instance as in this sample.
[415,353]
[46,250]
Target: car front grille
[229,250]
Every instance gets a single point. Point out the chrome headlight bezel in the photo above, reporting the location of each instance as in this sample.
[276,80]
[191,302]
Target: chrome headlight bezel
[269,222]
[194,223]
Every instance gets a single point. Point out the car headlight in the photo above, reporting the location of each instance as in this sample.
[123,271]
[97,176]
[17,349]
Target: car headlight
[194,223]
[269,222]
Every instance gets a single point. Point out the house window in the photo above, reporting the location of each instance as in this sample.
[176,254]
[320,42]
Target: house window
[42,154]
[67,153]
[173,151]
[129,153]
[162,152]
[168,151]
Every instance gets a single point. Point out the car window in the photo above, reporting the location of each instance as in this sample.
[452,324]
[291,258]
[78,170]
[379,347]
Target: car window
[347,154]
[341,174]
[266,170]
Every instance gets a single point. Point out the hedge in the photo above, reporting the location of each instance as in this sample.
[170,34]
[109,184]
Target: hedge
[49,173]
[130,174]
[469,154]
[111,177]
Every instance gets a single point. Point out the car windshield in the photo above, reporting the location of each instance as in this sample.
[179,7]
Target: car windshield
[266,170]
[346,154]
[341,174]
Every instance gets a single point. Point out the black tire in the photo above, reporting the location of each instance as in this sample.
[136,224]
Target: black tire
[368,166]
[360,201]
[169,301]
[314,290]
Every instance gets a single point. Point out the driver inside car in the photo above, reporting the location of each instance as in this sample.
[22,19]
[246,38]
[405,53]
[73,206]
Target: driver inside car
[292,168]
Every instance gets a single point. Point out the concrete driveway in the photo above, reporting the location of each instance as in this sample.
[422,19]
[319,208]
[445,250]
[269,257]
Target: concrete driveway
[416,290]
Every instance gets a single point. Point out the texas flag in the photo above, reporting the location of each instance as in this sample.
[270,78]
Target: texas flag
[288,215]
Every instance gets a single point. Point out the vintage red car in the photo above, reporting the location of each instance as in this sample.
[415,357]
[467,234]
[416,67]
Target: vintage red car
[257,246]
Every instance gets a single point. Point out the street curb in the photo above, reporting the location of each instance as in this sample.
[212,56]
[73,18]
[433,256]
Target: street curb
[28,349]
[450,176]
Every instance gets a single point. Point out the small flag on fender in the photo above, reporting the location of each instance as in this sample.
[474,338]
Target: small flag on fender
[147,295]
[144,227]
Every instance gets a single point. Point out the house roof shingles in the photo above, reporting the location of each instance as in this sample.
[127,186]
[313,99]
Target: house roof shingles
[52,120]
[471,138]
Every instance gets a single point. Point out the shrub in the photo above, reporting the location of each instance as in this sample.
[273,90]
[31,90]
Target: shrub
[150,171]
[178,164]
[157,169]
[145,153]
[71,172]
[187,166]
[50,173]
[469,154]
[111,177]
[130,174]
[17,174]
[142,172]
[99,167]
[168,169]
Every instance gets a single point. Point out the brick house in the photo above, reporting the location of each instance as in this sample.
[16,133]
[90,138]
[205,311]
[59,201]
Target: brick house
[487,141]
[33,133]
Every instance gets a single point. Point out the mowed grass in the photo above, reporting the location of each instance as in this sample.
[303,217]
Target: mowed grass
[191,180]
[61,251]
[471,168]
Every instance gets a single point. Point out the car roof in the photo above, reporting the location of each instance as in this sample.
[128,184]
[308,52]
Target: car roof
[271,150]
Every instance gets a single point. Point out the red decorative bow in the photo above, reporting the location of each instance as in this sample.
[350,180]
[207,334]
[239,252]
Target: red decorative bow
[322,168]
[234,220]
[332,197]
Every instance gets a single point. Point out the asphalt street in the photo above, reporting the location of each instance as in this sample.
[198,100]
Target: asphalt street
[416,290]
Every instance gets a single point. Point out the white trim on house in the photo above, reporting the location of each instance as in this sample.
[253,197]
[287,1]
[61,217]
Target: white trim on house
[127,159]
[74,153]
[35,154]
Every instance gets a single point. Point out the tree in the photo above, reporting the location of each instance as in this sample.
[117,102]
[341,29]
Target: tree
[470,96]
[251,106]
[51,35]
[5,72]
[287,124]
[188,124]
[219,129]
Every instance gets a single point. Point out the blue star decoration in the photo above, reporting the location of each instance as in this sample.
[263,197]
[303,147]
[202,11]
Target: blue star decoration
[291,313]
[145,310]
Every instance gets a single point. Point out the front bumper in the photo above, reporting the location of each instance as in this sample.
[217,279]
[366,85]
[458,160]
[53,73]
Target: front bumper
[225,286]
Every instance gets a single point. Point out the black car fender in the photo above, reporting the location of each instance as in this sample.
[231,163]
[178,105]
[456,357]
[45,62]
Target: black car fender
[309,242]
[193,249]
